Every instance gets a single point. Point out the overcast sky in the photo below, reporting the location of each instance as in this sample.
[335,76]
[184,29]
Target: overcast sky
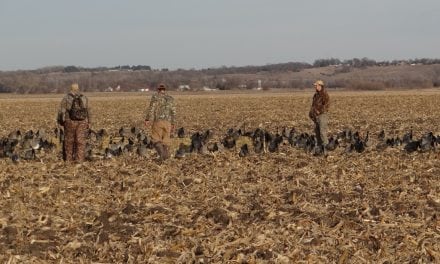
[212,33]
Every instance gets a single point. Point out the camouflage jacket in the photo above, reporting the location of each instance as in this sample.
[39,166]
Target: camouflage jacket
[162,107]
[66,104]
[320,104]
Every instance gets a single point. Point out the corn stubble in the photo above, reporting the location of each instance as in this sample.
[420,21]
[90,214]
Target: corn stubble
[282,207]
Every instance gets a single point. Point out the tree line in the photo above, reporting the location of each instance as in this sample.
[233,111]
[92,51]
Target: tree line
[55,79]
[366,62]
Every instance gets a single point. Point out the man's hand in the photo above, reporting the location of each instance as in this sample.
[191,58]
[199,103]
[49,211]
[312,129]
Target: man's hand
[311,115]
[147,123]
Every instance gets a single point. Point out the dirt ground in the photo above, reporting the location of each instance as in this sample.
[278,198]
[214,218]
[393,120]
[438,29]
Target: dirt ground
[284,207]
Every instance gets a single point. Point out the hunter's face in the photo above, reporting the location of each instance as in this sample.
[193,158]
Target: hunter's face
[318,87]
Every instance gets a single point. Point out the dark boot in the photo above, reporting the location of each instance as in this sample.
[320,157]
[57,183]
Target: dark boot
[160,150]
[166,152]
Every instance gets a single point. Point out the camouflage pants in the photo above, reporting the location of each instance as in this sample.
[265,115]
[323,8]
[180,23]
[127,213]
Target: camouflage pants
[161,132]
[321,127]
[75,139]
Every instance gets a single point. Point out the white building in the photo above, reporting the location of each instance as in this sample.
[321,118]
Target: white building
[183,87]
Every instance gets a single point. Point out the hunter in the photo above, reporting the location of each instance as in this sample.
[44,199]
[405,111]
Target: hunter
[74,116]
[318,113]
[162,114]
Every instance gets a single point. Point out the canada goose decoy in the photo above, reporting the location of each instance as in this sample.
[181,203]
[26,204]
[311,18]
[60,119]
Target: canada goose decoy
[125,132]
[367,141]
[181,132]
[285,133]
[212,147]
[381,135]
[196,142]
[427,142]
[258,145]
[275,143]
[359,146]
[229,142]
[15,158]
[390,142]
[41,133]
[182,150]
[292,136]
[310,143]
[36,143]
[207,136]
[135,130]
[332,144]
[244,151]
[301,141]
[29,134]
[412,146]
[129,147]
[318,150]
[398,141]
[15,135]
[29,154]
[407,138]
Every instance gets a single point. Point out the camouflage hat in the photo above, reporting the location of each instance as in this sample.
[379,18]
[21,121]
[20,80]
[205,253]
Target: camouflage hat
[319,82]
[161,86]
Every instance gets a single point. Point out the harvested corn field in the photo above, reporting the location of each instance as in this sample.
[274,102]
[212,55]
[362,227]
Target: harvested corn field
[378,205]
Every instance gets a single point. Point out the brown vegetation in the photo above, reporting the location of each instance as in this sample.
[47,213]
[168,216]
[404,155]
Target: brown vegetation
[284,207]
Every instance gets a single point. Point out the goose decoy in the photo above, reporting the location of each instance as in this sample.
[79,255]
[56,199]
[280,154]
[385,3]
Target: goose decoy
[258,146]
[15,135]
[367,141]
[212,147]
[29,154]
[275,143]
[182,150]
[381,135]
[285,133]
[229,142]
[359,146]
[407,138]
[15,158]
[412,146]
[196,142]
[397,142]
[135,130]
[318,150]
[244,151]
[390,142]
[125,132]
[181,132]
[207,136]
[332,144]
[427,142]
